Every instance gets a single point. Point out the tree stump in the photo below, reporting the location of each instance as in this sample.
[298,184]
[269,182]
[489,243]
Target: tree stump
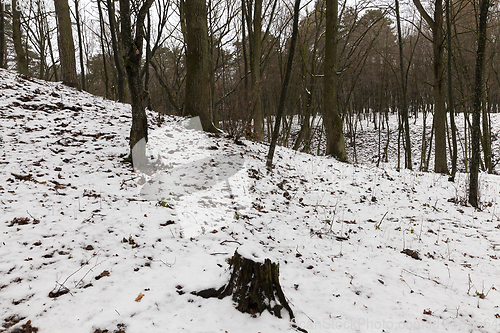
[254,285]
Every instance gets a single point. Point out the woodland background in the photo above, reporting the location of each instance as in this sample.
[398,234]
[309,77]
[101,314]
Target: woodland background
[403,60]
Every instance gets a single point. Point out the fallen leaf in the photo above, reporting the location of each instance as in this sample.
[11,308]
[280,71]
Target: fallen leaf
[103,274]
[139,298]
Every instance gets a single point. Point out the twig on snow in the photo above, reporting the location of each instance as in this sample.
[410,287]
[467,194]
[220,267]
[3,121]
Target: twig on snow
[380,223]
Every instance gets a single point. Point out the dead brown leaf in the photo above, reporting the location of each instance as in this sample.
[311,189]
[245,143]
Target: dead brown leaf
[139,298]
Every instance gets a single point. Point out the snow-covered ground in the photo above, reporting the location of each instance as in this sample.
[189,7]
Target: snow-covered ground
[89,245]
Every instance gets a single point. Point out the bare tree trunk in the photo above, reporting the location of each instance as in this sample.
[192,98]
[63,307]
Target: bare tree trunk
[404,103]
[116,51]
[476,116]
[246,101]
[133,56]
[66,44]
[424,140]
[147,63]
[41,40]
[80,45]
[258,128]
[197,63]
[305,129]
[451,108]
[51,51]
[436,25]
[284,86]
[431,136]
[440,158]
[2,34]
[486,140]
[22,61]
[335,145]
[103,51]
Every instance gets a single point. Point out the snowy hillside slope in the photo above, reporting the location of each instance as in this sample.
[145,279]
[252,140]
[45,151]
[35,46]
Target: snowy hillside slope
[89,245]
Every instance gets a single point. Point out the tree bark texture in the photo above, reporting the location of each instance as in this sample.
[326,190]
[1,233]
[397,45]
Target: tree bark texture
[41,41]
[254,287]
[436,25]
[2,35]
[117,56]
[335,144]
[66,44]
[80,45]
[132,57]
[476,115]
[404,103]
[258,126]
[22,61]
[451,108]
[486,140]
[440,162]
[197,63]
[101,41]
[284,87]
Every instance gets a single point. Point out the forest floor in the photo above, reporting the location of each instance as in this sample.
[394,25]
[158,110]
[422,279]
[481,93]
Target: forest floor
[89,245]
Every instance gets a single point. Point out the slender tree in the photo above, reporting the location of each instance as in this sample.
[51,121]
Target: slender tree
[309,91]
[404,97]
[284,85]
[451,107]
[256,53]
[51,51]
[41,39]
[478,94]
[132,47]
[120,71]
[103,51]
[335,144]
[2,34]
[436,26]
[80,44]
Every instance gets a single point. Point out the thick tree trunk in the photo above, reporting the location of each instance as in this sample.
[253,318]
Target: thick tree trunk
[22,61]
[66,44]
[335,144]
[197,63]
[476,116]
